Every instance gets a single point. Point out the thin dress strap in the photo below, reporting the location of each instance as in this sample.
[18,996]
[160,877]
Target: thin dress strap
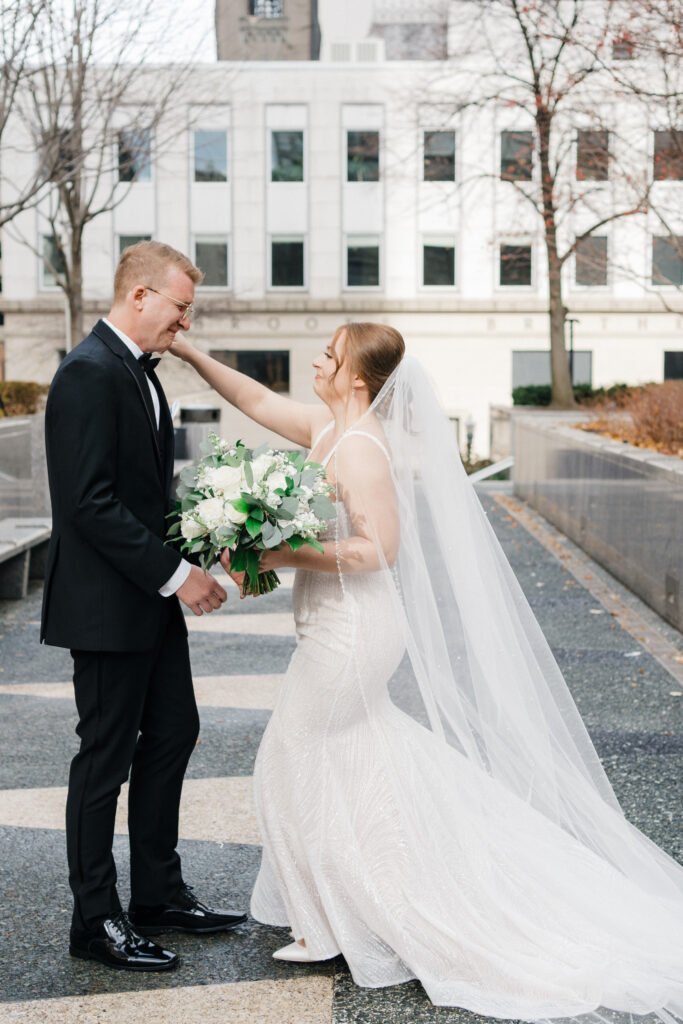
[320,436]
[360,433]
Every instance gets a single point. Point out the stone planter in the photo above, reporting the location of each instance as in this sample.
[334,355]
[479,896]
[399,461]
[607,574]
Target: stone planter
[623,505]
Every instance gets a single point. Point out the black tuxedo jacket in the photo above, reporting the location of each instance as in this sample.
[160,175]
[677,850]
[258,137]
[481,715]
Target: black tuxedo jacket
[110,473]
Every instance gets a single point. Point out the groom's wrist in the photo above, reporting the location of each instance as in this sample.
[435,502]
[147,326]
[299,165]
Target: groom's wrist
[177,579]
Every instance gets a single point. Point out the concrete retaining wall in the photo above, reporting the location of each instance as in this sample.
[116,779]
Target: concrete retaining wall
[622,505]
[23,472]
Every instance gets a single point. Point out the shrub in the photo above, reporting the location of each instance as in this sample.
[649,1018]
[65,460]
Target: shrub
[541,394]
[650,416]
[22,397]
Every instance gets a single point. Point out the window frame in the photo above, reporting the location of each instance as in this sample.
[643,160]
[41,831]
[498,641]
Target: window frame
[204,238]
[43,286]
[665,284]
[525,242]
[576,284]
[439,131]
[592,131]
[444,241]
[665,131]
[193,157]
[380,168]
[285,181]
[289,237]
[135,181]
[380,263]
[287,351]
[532,175]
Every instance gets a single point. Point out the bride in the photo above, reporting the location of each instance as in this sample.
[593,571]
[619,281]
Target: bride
[430,802]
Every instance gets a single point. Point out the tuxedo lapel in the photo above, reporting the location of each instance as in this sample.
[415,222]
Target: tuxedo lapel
[165,430]
[131,366]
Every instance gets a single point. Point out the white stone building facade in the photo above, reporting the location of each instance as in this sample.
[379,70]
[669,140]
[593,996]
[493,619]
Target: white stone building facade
[314,193]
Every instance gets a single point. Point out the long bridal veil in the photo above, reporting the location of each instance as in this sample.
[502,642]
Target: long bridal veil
[477,673]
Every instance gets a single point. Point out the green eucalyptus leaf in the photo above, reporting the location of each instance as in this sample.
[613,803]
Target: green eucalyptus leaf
[274,539]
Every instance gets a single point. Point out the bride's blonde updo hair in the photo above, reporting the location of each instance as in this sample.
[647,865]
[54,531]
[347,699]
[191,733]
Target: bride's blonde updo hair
[373,351]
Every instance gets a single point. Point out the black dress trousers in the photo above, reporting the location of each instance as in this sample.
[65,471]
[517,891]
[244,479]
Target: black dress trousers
[137,712]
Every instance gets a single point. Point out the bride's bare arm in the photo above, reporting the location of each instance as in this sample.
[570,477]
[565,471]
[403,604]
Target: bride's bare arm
[296,421]
[367,490]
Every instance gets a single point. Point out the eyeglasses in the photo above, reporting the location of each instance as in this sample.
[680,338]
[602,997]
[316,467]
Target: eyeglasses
[186,309]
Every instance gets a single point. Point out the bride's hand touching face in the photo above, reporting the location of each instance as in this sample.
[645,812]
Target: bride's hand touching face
[181,347]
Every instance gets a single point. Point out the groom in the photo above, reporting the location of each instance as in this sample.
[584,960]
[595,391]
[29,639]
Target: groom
[111,596]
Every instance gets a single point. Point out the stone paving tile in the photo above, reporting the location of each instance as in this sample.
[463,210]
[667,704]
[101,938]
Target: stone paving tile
[228,741]
[287,1001]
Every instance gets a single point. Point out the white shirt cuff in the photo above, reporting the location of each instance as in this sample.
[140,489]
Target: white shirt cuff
[177,579]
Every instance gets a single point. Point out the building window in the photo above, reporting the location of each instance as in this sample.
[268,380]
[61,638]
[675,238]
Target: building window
[515,265]
[53,265]
[623,48]
[362,156]
[673,366]
[516,156]
[135,155]
[210,156]
[211,256]
[668,156]
[590,261]
[126,240]
[269,368]
[362,261]
[266,8]
[287,156]
[439,156]
[667,260]
[532,367]
[592,156]
[287,263]
[438,263]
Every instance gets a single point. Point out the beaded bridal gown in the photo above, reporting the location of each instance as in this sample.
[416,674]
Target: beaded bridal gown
[441,841]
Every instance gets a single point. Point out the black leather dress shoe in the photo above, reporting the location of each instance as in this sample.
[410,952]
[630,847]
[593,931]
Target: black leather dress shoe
[185,914]
[117,944]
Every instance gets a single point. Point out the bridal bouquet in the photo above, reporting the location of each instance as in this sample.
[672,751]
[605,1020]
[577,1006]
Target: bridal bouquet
[249,501]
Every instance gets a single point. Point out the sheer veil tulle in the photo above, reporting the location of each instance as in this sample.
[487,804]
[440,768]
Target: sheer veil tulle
[480,675]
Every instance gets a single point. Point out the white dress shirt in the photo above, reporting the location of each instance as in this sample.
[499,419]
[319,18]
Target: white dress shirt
[183,571]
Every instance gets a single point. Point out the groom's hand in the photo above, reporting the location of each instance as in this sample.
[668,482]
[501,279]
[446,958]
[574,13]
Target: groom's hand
[201,592]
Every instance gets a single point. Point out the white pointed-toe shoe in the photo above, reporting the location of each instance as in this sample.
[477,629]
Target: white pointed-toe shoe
[295,952]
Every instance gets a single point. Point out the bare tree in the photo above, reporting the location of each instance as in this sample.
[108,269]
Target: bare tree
[18,46]
[548,67]
[96,112]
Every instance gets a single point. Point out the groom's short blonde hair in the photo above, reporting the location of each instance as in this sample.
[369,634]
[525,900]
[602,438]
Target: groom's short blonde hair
[148,263]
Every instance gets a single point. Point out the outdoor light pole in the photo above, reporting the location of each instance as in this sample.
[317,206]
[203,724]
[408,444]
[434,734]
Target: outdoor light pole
[571,321]
[469,433]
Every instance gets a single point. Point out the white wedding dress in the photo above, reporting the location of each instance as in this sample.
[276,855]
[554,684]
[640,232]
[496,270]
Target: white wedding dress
[384,841]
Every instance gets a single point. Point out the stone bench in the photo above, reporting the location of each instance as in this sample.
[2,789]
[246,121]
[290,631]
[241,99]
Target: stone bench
[23,554]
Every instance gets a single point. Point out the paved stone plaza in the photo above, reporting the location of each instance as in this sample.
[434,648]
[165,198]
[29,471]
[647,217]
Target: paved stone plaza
[623,664]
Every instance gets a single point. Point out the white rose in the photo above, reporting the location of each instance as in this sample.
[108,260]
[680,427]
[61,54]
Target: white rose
[273,499]
[261,465]
[276,480]
[211,511]
[227,481]
[235,517]
[191,529]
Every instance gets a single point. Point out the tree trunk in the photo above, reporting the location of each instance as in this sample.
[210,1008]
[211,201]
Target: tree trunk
[75,293]
[562,390]
[561,383]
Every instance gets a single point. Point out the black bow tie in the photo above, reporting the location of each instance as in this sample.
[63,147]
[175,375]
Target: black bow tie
[147,361]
